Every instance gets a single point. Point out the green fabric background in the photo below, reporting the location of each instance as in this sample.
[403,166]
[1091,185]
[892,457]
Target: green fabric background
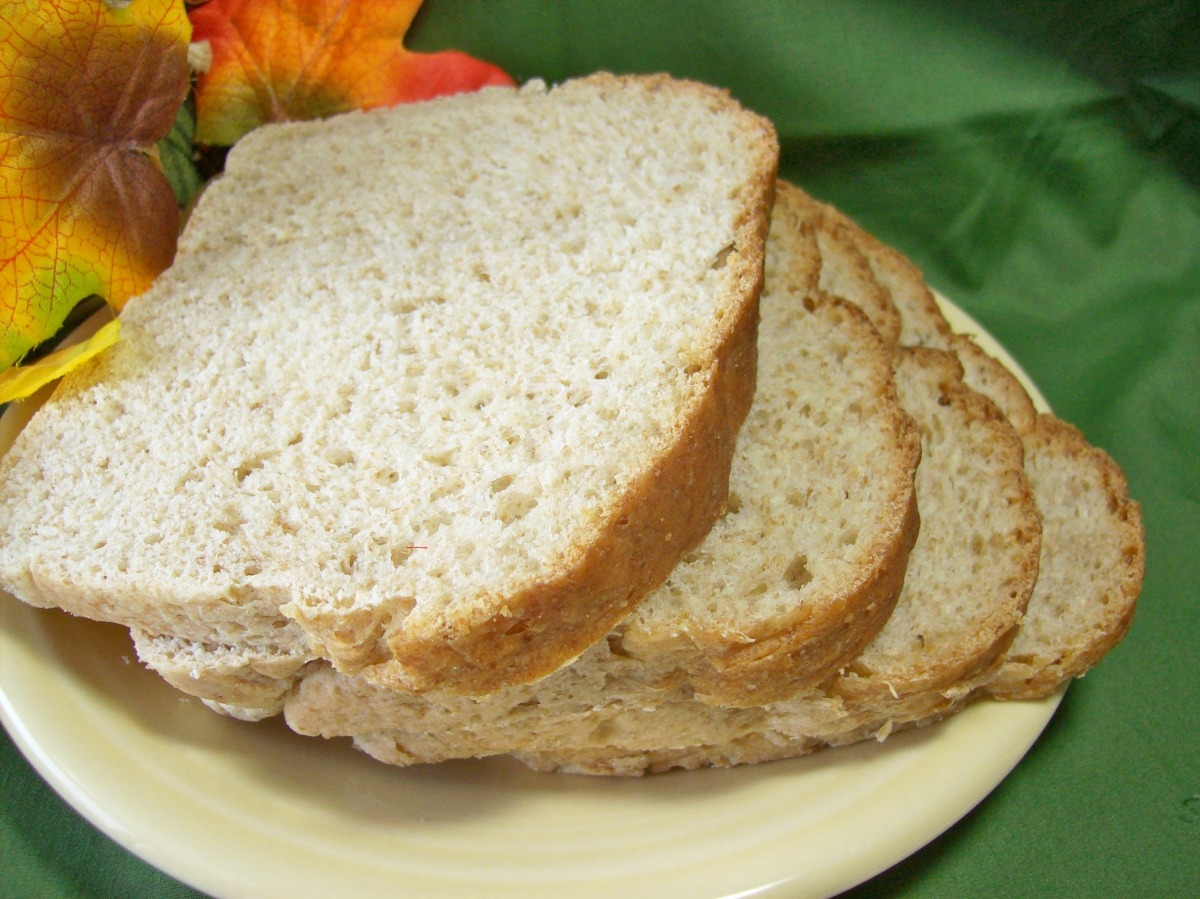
[1041,162]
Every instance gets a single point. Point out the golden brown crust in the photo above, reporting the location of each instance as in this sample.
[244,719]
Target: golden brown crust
[667,513]
[921,319]
[1110,531]
[782,654]
[1000,604]
[803,653]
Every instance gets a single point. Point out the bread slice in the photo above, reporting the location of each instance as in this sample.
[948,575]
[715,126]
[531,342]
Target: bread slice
[921,322]
[968,580]
[789,561]
[1090,571]
[449,386]
[246,680]
[1090,575]
[1093,558]
[975,565]
[807,562]
[825,431]
[1091,568]
[805,566]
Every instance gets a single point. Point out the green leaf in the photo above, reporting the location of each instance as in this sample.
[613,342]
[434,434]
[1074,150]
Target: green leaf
[177,154]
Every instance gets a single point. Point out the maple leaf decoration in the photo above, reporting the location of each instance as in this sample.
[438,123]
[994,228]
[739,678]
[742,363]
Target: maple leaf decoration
[280,60]
[86,89]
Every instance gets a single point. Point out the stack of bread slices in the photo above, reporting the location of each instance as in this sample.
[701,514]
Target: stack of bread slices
[547,422]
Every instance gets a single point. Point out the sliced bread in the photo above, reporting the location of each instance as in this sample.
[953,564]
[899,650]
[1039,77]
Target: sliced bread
[449,386]
[969,577]
[1093,555]
[1090,571]
[1092,564]
[805,565]
[1090,574]
[798,575]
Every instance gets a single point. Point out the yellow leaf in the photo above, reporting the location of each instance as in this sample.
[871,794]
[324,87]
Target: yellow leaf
[87,90]
[18,383]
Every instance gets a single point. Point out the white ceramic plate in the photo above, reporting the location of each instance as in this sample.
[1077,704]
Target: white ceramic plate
[241,810]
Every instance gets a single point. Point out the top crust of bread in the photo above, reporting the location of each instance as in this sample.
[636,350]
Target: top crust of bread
[387,338]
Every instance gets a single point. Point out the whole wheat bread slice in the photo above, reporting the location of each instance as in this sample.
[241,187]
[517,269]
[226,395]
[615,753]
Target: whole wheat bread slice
[1089,578]
[1093,560]
[799,574]
[1089,575]
[968,580]
[1091,567]
[650,724]
[449,386]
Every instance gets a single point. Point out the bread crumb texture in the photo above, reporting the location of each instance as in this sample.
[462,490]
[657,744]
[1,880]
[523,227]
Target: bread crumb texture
[409,364]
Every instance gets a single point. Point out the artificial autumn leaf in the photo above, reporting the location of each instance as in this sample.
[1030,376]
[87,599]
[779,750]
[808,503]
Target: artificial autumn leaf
[280,60]
[86,89]
[177,159]
[18,383]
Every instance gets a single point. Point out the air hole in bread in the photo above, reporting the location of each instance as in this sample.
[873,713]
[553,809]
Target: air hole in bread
[721,258]
[515,506]
[247,468]
[441,458]
[339,456]
[617,647]
[797,575]
[600,375]
[733,504]
[502,483]
[444,490]
[602,733]
[227,525]
[858,669]
[111,410]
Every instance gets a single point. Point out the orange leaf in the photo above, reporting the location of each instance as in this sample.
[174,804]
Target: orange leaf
[278,60]
[86,89]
